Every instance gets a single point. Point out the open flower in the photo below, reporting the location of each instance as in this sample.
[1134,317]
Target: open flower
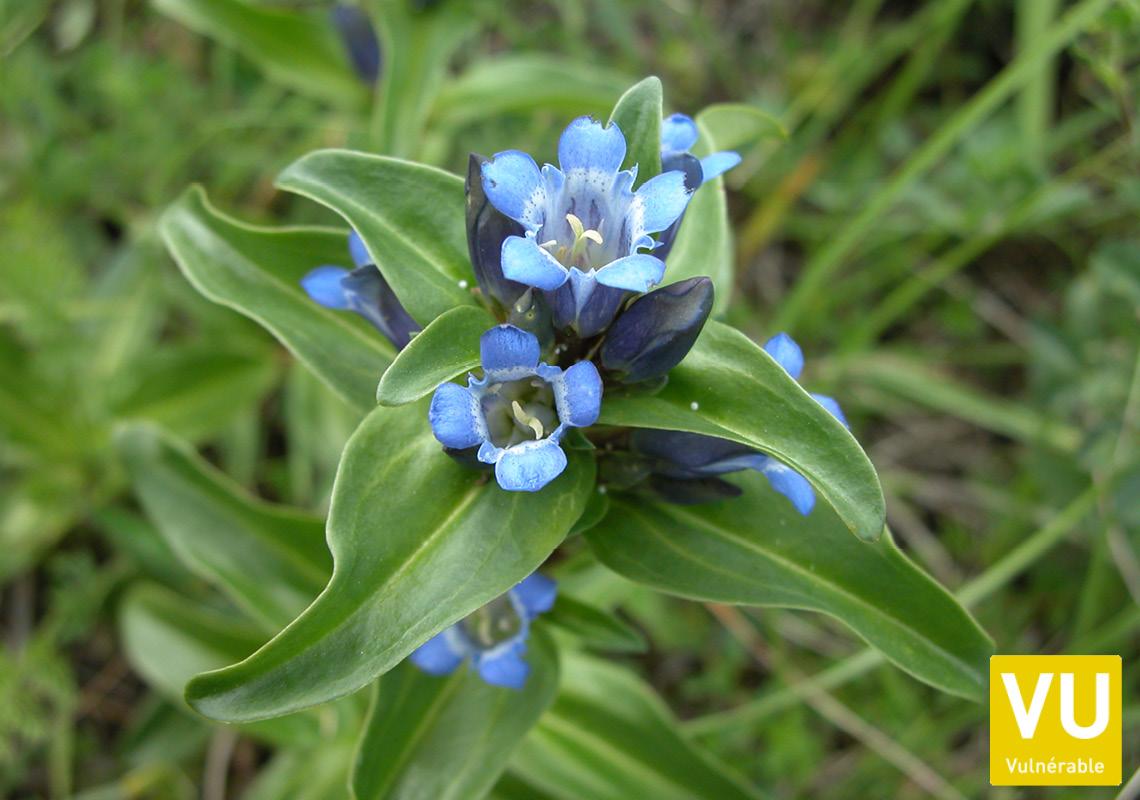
[518,412]
[585,227]
[364,291]
[690,456]
[493,637]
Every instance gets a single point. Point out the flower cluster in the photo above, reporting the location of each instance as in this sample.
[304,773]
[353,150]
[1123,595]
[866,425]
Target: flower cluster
[569,259]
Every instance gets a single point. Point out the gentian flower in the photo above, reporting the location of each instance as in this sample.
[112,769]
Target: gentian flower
[683,455]
[585,227]
[493,637]
[678,135]
[364,291]
[518,412]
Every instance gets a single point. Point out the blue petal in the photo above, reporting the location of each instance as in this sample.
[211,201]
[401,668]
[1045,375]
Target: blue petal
[678,132]
[587,145]
[524,261]
[455,417]
[323,285]
[636,273]
[718,163]
[436,656]
[535,593]
[505,667]
[657,204]
[506,350]
[578,395]
[787,353]
[514,185]
[529,466]
[359,252]
[790,484]
[833,406]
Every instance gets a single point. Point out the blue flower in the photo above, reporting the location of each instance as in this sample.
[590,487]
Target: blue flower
[678,134]
[493,637]
[585,227]
[364,291]
[684,455]
[518,412]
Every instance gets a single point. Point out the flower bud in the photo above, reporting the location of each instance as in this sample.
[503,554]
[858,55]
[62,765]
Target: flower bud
[369,295]
[657,330]
[359,39]
[487,227]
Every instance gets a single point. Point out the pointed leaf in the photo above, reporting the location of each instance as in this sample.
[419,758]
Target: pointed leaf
[447,347]
[742,394]
[449,737]
[731,126]
[410,216]
[758,550]
[418,542]
[609,737]
[638,114]
[270,560]
[257,272]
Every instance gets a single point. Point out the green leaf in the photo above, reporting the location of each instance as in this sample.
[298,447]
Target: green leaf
[299,49]
[447,347]
[194,391]
[758,550]
[410,216]
[742,394]
[496,86]
[168,638]
[638,114]
[256,271]
[704,244]
[448,737]
[418,542]
[271,560]
[609,737]
[732,126]
[417,48]
[594,627]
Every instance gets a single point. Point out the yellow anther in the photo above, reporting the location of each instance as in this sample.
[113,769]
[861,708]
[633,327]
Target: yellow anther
[526,419]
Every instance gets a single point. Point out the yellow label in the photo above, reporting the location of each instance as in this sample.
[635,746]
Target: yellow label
[1055,720]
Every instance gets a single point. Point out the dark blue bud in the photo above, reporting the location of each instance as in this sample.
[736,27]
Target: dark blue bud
[680,454]
[694,177]
[359,39]
[487,227]
[657,330]
[370,296]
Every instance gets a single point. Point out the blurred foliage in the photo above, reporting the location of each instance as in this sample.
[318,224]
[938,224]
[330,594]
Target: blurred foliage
[981,329]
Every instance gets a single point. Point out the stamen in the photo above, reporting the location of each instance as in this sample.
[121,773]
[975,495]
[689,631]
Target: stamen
[582,237]
[526,419]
